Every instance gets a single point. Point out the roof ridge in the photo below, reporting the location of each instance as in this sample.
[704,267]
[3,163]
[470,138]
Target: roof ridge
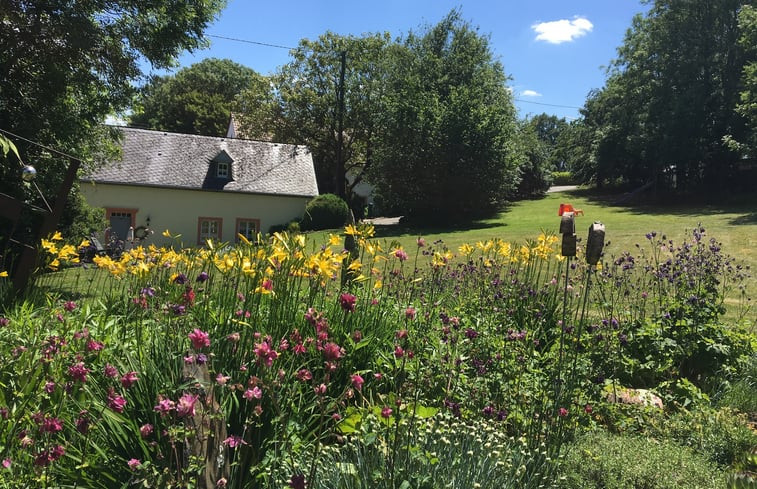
[200,136]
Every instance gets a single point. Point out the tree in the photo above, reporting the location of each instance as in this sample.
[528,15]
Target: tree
[196,100]
[668,104]
[548,129]
[534,168]
[66,65]
[447,124]
[327,97]
[747,105]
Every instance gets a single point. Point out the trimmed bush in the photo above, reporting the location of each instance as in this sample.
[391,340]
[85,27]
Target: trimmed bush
[601,460]
[564,178]
[326,211]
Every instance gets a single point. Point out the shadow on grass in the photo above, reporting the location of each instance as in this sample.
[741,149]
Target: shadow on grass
[423,229]
[679,206]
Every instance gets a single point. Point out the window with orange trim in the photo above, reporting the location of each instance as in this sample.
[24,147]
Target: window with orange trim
[249,228]
[209,228]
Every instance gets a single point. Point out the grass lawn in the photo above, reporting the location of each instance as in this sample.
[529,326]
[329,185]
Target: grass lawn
[733,223]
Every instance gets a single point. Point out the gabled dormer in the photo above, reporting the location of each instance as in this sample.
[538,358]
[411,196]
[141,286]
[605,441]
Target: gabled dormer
[221,166]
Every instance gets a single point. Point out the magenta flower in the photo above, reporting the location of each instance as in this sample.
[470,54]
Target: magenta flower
[116,402]
[134,463]
[304,375]
[4,321]
[386,412]
[6,463]
[357,381]
[82,422]
[254,393]
[78,372]
[348,302]
[110,371]
[400,254]
[420,242]
[410,313]
[51,425]
[234,441]
[221,379]
[562,412]
[69,306]
[146,430]
[332,351]
[200,339]
[129,379]
[186,405]
[320,389]
[398,351]
[93,345]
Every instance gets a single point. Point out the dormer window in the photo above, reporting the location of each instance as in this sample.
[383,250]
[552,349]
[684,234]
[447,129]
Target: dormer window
[222,163]
[222,170]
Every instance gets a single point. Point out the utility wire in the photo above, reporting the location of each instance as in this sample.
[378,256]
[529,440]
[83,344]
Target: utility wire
[549,105]
[40,145]
[252,42]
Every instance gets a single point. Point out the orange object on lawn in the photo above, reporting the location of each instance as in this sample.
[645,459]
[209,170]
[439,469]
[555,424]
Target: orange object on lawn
[569,208]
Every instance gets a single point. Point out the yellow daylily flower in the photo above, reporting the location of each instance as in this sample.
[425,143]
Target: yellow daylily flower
[4,273]
[335,240]
[465,249]
[57,236]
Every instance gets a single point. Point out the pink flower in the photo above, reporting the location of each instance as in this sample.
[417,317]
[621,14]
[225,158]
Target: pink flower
[93,345]
[420,242]
[69,306]
[233,337]
[386,412]
[134,463]
[401,334]
[332,351]
[221,379]
[357,381]
[116,402]
[588,409]
[6,463]
[265,353]
[186,405]
[51,425]
[400,254]
[299,349]
[129,379]
[146,430]
[234,441]
[221,482]
[254,393]
[410,313]
[348,302]
[78,372]
[200,339]
[562,412]
[50,387]
[398,351]
[164,406]
[320,390]
[303,375]
[110,371]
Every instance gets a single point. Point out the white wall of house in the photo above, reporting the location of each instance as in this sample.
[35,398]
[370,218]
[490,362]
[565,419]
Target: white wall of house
[179,211]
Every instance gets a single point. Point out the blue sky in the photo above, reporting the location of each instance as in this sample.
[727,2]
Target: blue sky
[555,51]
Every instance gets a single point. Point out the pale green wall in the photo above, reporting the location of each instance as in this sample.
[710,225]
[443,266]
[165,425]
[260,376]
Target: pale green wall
[178,210]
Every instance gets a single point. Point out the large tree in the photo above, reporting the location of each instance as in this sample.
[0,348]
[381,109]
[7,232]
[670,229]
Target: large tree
[196,100]
[327,97]
[667,109]
[66,65]
[447,125]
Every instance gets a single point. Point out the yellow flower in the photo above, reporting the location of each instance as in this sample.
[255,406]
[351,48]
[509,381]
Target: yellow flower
[243,239]
[84,243]
[465,249]
[4,273]
[485,246]
[49,246]
[54,264]
[351,230]
[57,236]
[334,240]
[378,284]
[167,234]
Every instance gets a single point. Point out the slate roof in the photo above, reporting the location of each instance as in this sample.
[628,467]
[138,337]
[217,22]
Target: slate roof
[185,161]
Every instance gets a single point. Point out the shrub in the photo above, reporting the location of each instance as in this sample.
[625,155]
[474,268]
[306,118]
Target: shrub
[608,461]
[564,178]
[326,211]
[740,393]
[292,227]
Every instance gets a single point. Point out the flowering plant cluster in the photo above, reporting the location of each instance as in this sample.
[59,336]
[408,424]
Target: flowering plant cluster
[249,365]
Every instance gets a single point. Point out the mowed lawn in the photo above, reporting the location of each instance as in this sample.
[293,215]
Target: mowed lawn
[733,224]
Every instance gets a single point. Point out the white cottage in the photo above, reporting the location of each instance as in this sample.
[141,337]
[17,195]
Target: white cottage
[201,187]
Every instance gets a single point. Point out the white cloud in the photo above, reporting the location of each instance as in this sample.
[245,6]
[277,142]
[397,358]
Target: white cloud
[114,120]
[530,93]
[564,30]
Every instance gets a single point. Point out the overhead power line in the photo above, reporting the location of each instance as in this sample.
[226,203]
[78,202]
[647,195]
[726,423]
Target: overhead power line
[549,105]
[266,44]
